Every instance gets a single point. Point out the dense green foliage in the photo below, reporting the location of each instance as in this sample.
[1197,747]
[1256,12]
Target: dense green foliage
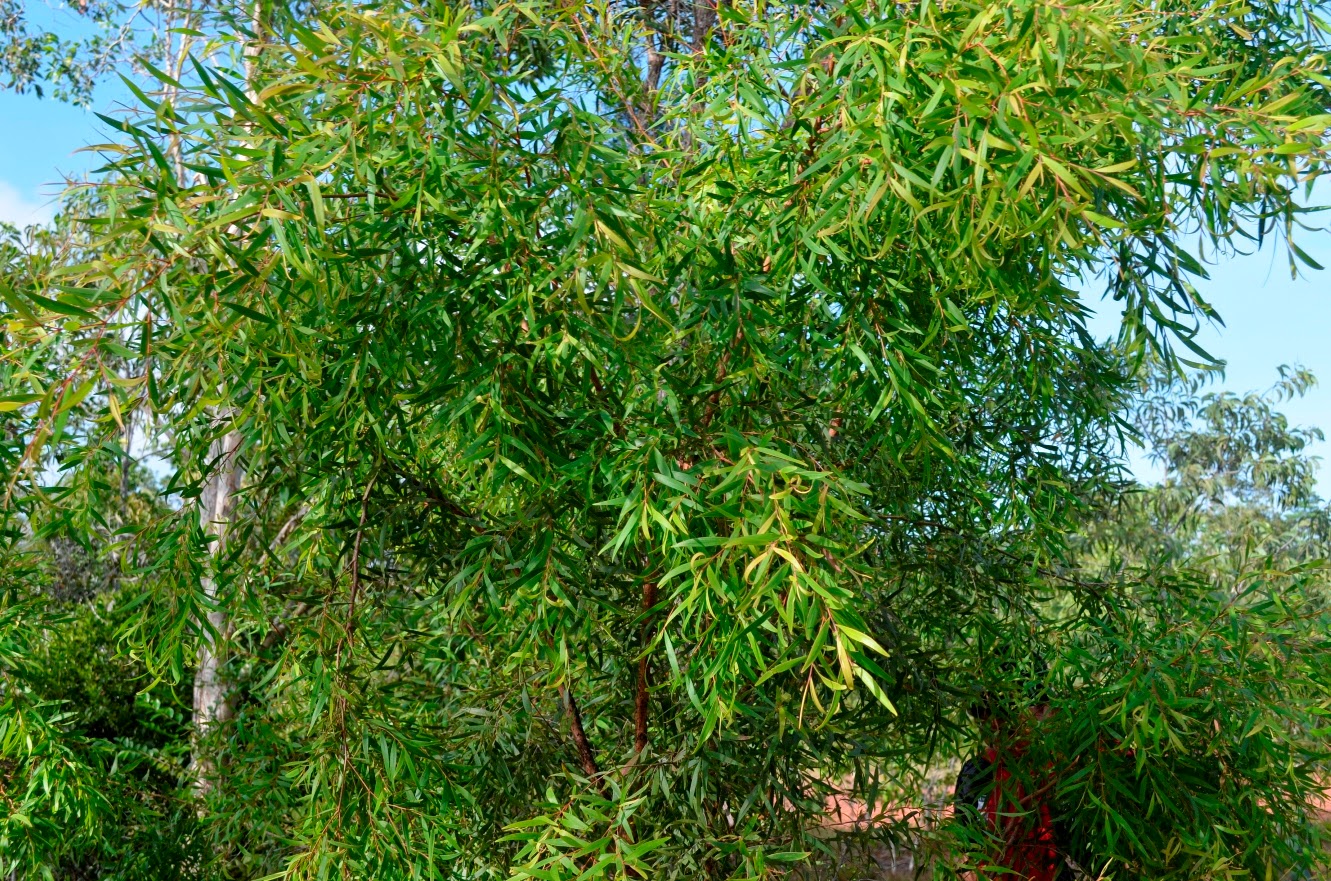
[1234,527]
[651,419]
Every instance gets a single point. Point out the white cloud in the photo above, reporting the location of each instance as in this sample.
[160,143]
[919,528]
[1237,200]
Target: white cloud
[18,209]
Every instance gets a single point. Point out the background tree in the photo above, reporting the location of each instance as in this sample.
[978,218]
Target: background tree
[1235,522]
[1239,483]
[91,745]
[66,50]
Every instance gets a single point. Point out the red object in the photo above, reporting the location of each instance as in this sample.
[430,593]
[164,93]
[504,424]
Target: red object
[1023,822]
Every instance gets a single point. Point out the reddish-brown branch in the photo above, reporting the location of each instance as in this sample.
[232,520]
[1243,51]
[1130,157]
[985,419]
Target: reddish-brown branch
[722,368]
[586,757]
[642,701]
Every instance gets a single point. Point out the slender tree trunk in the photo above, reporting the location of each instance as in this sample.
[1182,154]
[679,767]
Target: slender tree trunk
[655,60]
[252,50]
[212,698]
[704,19]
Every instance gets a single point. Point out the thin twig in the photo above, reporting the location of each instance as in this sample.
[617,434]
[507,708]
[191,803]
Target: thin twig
[354,593]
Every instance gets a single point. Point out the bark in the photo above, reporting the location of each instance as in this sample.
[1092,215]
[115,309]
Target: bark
[586,757]
[642,700]
[212,698]
[704,19]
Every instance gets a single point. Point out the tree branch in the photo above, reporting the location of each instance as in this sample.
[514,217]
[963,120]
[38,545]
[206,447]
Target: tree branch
[354,593]
[586,757]
[642,699]
[280,628]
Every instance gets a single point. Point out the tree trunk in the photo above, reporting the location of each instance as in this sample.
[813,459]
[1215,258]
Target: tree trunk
[212,698]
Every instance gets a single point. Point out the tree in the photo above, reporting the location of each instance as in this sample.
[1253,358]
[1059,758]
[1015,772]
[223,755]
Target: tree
[1239,484]
[67,49]
[90,743]
[653,417]
[1234,524]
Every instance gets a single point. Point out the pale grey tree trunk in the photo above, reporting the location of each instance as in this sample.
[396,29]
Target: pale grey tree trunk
[212,693]
[212,698]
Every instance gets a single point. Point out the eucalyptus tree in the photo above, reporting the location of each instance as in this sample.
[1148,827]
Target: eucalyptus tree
[656,417]
[1239,483]
[66,50]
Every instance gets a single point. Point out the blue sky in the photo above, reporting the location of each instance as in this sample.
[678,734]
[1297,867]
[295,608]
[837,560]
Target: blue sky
[1270,319]
[38,143]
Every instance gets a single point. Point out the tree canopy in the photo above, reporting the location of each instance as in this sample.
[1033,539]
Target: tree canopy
[593,433]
